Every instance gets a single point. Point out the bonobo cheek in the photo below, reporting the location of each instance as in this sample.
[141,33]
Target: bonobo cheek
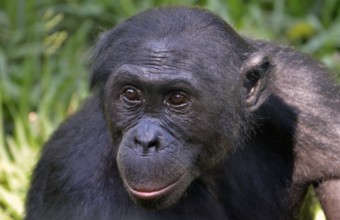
[157,178]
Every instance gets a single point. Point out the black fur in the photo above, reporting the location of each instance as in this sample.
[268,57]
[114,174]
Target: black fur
[241,127]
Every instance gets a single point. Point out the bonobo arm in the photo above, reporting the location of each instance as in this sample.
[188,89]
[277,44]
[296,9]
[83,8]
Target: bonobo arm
[328,193]
[306,87]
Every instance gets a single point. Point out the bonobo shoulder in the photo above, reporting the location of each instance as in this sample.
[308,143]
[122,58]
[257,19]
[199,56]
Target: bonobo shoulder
[76,133]
[286,57]
[297,69]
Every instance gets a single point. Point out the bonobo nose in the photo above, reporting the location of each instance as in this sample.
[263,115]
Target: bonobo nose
[147,136]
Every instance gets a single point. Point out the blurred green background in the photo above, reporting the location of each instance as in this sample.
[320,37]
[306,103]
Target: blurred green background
[45,48]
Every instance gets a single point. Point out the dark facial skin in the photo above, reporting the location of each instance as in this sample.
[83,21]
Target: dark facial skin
[188,120]
[156,110]
[156,104]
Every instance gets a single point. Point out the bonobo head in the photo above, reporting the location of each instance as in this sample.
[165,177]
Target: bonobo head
[178,87]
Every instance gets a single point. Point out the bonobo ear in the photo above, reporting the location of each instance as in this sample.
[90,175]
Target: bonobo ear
[255,74]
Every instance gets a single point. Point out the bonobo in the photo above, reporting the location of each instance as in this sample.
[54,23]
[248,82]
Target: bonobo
[189,120]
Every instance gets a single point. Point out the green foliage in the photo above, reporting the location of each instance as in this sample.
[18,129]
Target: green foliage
[42,79]
[311,208]
[44,60]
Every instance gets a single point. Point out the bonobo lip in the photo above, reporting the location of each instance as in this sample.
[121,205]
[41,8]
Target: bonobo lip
[146,194]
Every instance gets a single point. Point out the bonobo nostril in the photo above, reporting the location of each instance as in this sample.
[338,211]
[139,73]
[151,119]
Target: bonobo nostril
[147,143]
[147,136]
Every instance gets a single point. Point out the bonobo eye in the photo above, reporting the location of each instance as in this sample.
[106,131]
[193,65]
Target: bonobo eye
[131,95]
[178,100]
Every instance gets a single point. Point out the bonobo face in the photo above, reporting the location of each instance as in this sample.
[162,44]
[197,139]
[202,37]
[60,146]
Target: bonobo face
[173,99]
[166,121]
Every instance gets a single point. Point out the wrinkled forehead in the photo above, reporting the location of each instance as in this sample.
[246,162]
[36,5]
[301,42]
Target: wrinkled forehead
[192,53]
[207,50]
[167,59]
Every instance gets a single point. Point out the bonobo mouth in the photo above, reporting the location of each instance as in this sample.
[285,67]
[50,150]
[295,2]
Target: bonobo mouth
[150,194]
